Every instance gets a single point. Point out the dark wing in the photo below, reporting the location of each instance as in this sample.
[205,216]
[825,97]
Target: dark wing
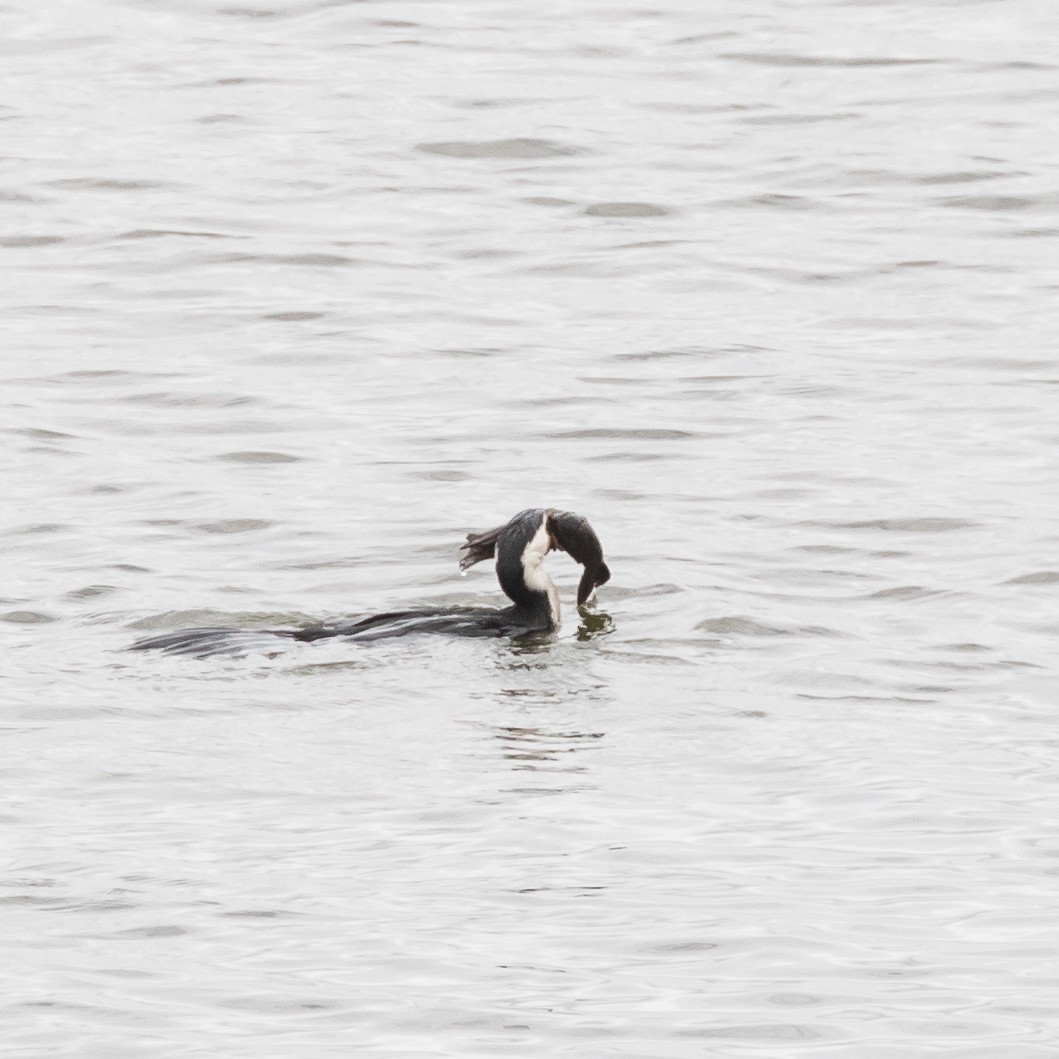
[202,643]
[573,535]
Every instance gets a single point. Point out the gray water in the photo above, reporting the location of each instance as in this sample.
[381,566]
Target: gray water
[295,295]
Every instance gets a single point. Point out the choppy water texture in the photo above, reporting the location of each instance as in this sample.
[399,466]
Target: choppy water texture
[295,294]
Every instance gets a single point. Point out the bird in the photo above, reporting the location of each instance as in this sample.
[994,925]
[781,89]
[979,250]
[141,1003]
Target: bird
[518,547]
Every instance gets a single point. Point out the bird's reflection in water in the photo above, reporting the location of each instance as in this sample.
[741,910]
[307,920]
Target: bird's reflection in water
[547,745]
[594,625]
[534,749]
[550,687]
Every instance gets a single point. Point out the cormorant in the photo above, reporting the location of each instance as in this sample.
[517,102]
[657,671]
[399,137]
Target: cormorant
[519,547]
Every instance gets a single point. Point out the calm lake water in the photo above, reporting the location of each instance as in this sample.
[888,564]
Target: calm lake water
[295,294]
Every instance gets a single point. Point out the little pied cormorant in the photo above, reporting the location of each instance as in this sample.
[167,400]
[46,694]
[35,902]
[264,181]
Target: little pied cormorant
[519,548]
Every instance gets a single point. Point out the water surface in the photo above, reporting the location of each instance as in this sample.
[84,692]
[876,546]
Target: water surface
[295,295]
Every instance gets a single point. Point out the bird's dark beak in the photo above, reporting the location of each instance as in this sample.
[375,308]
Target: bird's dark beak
[572,534]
